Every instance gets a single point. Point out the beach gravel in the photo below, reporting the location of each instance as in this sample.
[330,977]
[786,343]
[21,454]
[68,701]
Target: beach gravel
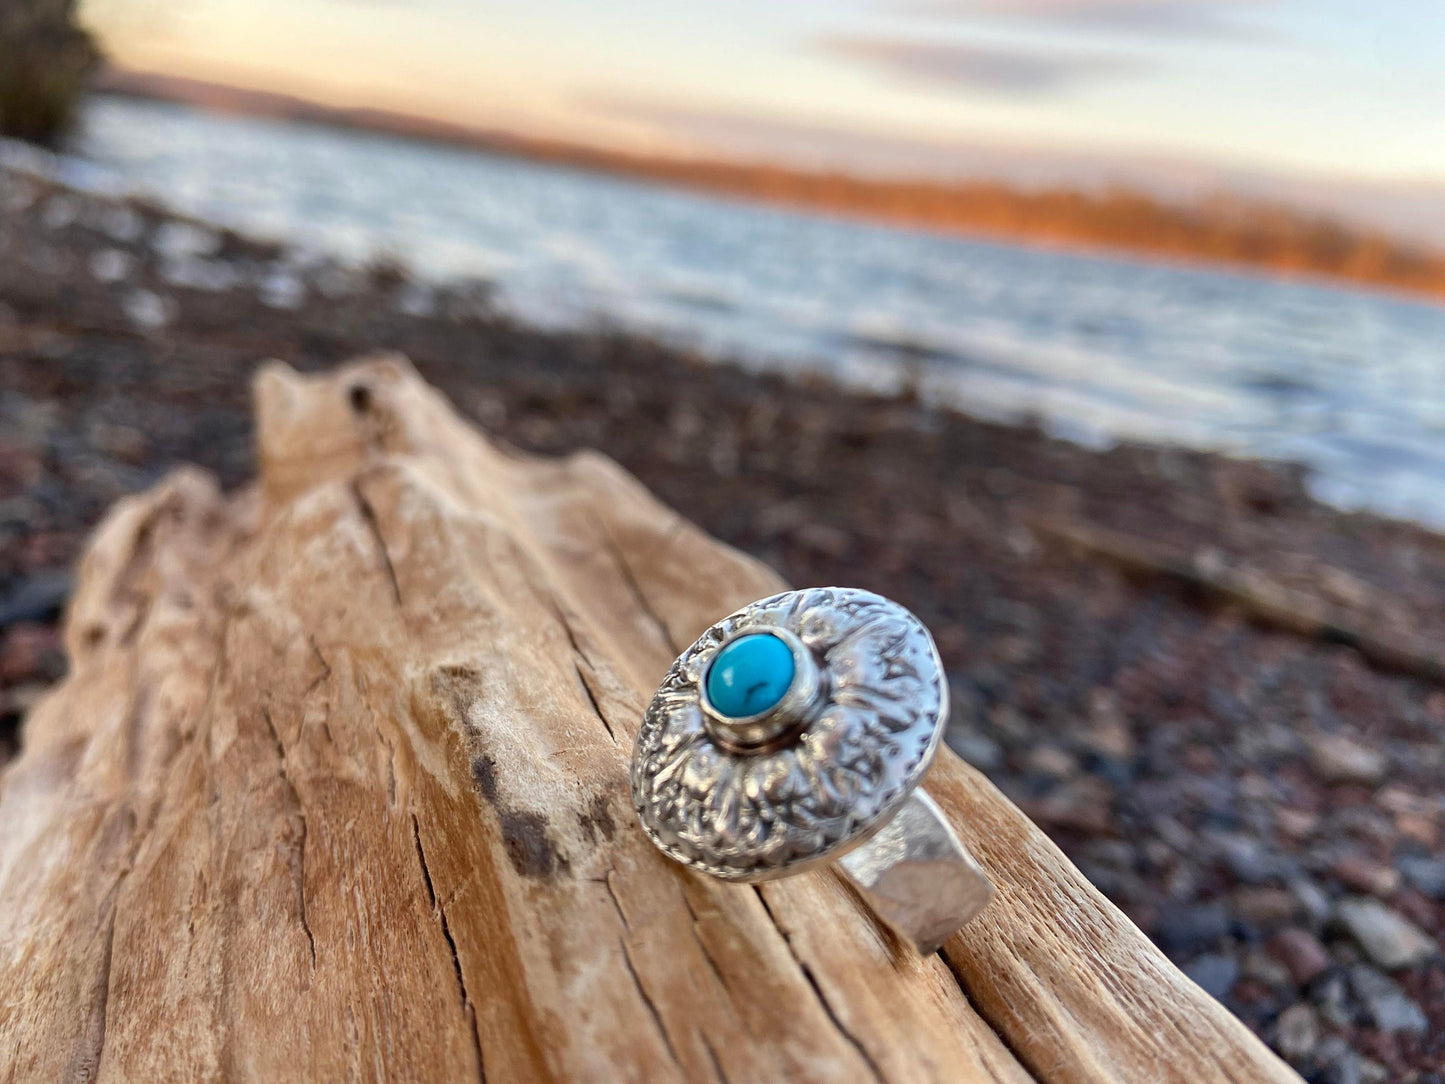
[1215,693]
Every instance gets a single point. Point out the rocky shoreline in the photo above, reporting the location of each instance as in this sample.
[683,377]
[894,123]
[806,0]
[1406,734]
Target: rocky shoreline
[1216,694]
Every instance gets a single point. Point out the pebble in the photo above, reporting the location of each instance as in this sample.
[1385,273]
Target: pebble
[1359,873]
[1298,824]
[1267,971]
[1052,762]
[1346,953]
[820,537]
[1251,861]
[39,597]
[1185,928]
[199,273]
[1416,907]
[111,265]
[416,299]
[1340,1063]
[29,651]
[1422,830]
[1338,759]
[981,751]
[1389,939]
[282,289]
[1365,822]
[1010,725]
[123,224]
[1214,973]
[1256,788]
[1173,834]
[1425,874]
[1331,995]
[1312,900]
[471,299]
[176,240]
[1397,799]
[59,212]
[1265,906]
[1297,1031]
[122,442]
[1084,805]
[1300,952]
[1108,733]
[20,466]
[21,698]
[17,194]
[1384,1004]
[147,310]
[1114,853]
[334,281]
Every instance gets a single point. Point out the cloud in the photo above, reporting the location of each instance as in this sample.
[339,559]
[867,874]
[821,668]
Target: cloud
[1010,72]
[1181,18]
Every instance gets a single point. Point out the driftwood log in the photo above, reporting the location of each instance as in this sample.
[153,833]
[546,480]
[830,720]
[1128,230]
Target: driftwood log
[336,789]
[1263,600]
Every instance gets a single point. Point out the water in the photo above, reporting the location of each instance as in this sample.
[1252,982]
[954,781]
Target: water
[1099,348]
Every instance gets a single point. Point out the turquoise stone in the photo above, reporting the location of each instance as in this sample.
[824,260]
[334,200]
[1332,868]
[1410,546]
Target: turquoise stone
[750,675]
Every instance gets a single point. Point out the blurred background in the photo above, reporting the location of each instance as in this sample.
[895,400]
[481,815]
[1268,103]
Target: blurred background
[1108,335]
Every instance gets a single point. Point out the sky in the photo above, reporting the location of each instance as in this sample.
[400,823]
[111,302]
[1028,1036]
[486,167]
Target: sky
[1324,91]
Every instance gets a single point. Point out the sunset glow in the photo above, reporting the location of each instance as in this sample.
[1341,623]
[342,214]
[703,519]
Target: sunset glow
[1313,88]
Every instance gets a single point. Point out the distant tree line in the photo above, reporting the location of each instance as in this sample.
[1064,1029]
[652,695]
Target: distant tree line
[1223,229]
[45,58]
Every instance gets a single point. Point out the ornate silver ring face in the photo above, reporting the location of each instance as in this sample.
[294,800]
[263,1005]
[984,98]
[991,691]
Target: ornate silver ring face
[791,734]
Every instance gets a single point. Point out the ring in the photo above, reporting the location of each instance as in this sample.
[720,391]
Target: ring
[794,733]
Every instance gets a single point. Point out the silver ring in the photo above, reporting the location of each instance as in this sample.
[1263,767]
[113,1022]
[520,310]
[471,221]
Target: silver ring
[794,733]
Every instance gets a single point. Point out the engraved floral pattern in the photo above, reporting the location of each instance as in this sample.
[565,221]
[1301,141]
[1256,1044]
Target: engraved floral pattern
[749,817]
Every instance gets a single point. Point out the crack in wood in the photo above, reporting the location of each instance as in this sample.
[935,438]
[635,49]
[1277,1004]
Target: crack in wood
[87,1064]
[580,653]
[390,752]
[648,1002]
[468,1007]
[296,853]
[373,525]
[325,674]
[555,605]
[1019,1054]
[807,973]
[630,581]
[592,699]
[612,892]
[717,1066]
[431,893]
[702,947]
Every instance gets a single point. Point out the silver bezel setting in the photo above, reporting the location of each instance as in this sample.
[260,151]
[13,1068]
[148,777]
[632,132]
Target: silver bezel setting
[821,771]
[782,721]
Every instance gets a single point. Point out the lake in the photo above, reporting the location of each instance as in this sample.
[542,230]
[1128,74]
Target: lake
[1099,348]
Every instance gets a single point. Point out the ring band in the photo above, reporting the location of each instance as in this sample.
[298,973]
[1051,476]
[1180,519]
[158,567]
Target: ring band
[794,733]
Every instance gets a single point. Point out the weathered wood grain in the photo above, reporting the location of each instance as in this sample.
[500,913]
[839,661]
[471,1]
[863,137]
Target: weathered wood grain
[336,789]
[1370,623]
